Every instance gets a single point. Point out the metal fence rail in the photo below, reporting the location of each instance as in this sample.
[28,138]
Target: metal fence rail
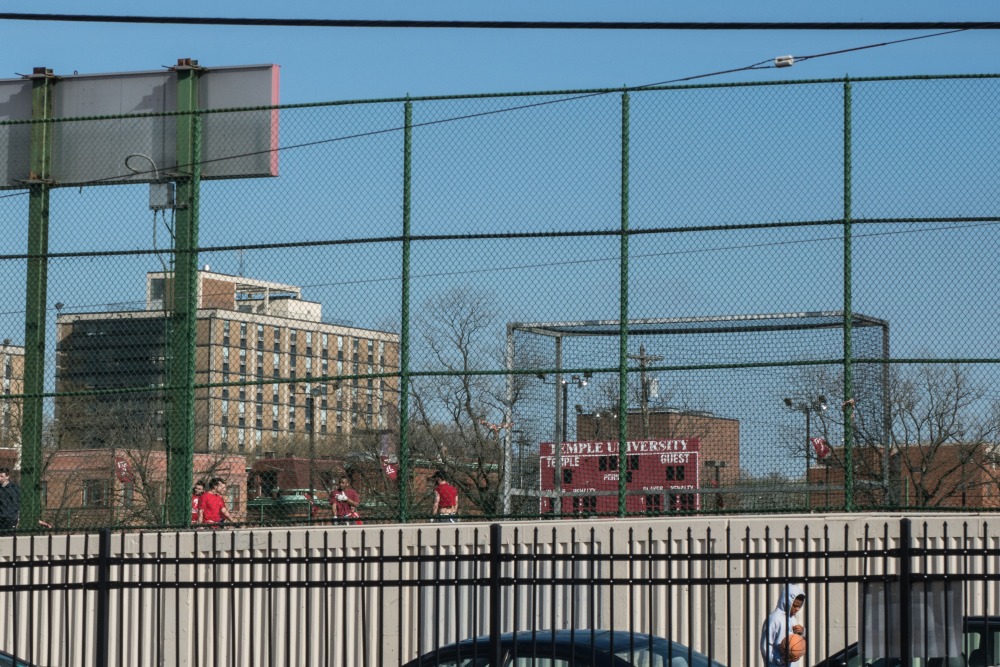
[791,283]
[382,596]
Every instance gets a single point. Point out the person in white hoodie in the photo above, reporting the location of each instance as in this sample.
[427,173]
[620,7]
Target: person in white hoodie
[780,623]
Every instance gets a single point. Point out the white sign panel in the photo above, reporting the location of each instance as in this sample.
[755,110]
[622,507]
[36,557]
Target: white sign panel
[234,144]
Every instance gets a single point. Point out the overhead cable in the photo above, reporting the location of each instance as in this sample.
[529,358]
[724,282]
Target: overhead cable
[508,25]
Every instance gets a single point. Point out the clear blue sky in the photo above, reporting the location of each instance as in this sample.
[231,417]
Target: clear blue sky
[326,64]
[333,64]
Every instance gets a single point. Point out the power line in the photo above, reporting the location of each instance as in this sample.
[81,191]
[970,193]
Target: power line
[763,64]
[509,25]
[497,269]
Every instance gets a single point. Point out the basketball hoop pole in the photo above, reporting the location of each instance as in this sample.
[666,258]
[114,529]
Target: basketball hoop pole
[184,309]
[39,185]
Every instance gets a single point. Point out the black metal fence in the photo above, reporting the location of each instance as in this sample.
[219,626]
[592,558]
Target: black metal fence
[384,596]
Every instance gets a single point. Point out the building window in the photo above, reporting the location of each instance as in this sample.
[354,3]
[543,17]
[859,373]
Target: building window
[233,497]
[128,494]
[96,493]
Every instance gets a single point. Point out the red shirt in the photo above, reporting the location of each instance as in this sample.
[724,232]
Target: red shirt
[195,499]
[211,505]
[447,495]
[343,508]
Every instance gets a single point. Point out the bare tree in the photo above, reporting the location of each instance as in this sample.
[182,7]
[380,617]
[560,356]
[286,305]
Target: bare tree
[934,426]
[106,464]
[458,416]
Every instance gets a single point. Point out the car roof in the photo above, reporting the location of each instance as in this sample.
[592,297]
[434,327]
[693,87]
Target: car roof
[580,641]
[604,640]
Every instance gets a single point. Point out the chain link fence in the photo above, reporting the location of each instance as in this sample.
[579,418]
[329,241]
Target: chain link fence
[735,298]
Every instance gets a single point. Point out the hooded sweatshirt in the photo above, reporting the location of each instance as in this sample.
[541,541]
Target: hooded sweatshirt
[779,624]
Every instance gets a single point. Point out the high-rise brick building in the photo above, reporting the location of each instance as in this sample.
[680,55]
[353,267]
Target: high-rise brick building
[261,358]
[11,407]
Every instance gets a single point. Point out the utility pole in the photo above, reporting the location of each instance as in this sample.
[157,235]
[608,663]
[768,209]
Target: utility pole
[644,360]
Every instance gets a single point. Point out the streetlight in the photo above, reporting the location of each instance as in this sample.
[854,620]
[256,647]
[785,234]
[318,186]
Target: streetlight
[318,390]
[807,406]
[718,465]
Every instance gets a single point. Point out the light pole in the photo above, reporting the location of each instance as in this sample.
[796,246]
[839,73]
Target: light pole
[718,466]
[644,360]
[807,406]
[318,390]
[561,426]
[580,382]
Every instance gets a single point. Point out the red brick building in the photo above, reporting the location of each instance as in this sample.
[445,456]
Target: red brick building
[947,476]
[107,487]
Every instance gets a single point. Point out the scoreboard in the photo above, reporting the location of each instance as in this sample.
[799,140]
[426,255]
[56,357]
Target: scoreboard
[660,475]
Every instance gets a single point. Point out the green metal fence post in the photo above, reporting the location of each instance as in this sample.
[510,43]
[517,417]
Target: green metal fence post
[184,299]
[42,84]
[404,327]
[623,318]
[848,313]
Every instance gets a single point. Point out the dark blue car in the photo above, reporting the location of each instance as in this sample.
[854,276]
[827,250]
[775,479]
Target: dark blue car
[567,648]
[980,647]
[7,660]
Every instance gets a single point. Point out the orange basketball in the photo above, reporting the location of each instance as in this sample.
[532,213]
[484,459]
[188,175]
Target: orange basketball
[793,647]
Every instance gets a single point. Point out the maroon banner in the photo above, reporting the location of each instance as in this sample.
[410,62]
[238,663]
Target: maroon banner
[822,449]
[390,469]
[122,471]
